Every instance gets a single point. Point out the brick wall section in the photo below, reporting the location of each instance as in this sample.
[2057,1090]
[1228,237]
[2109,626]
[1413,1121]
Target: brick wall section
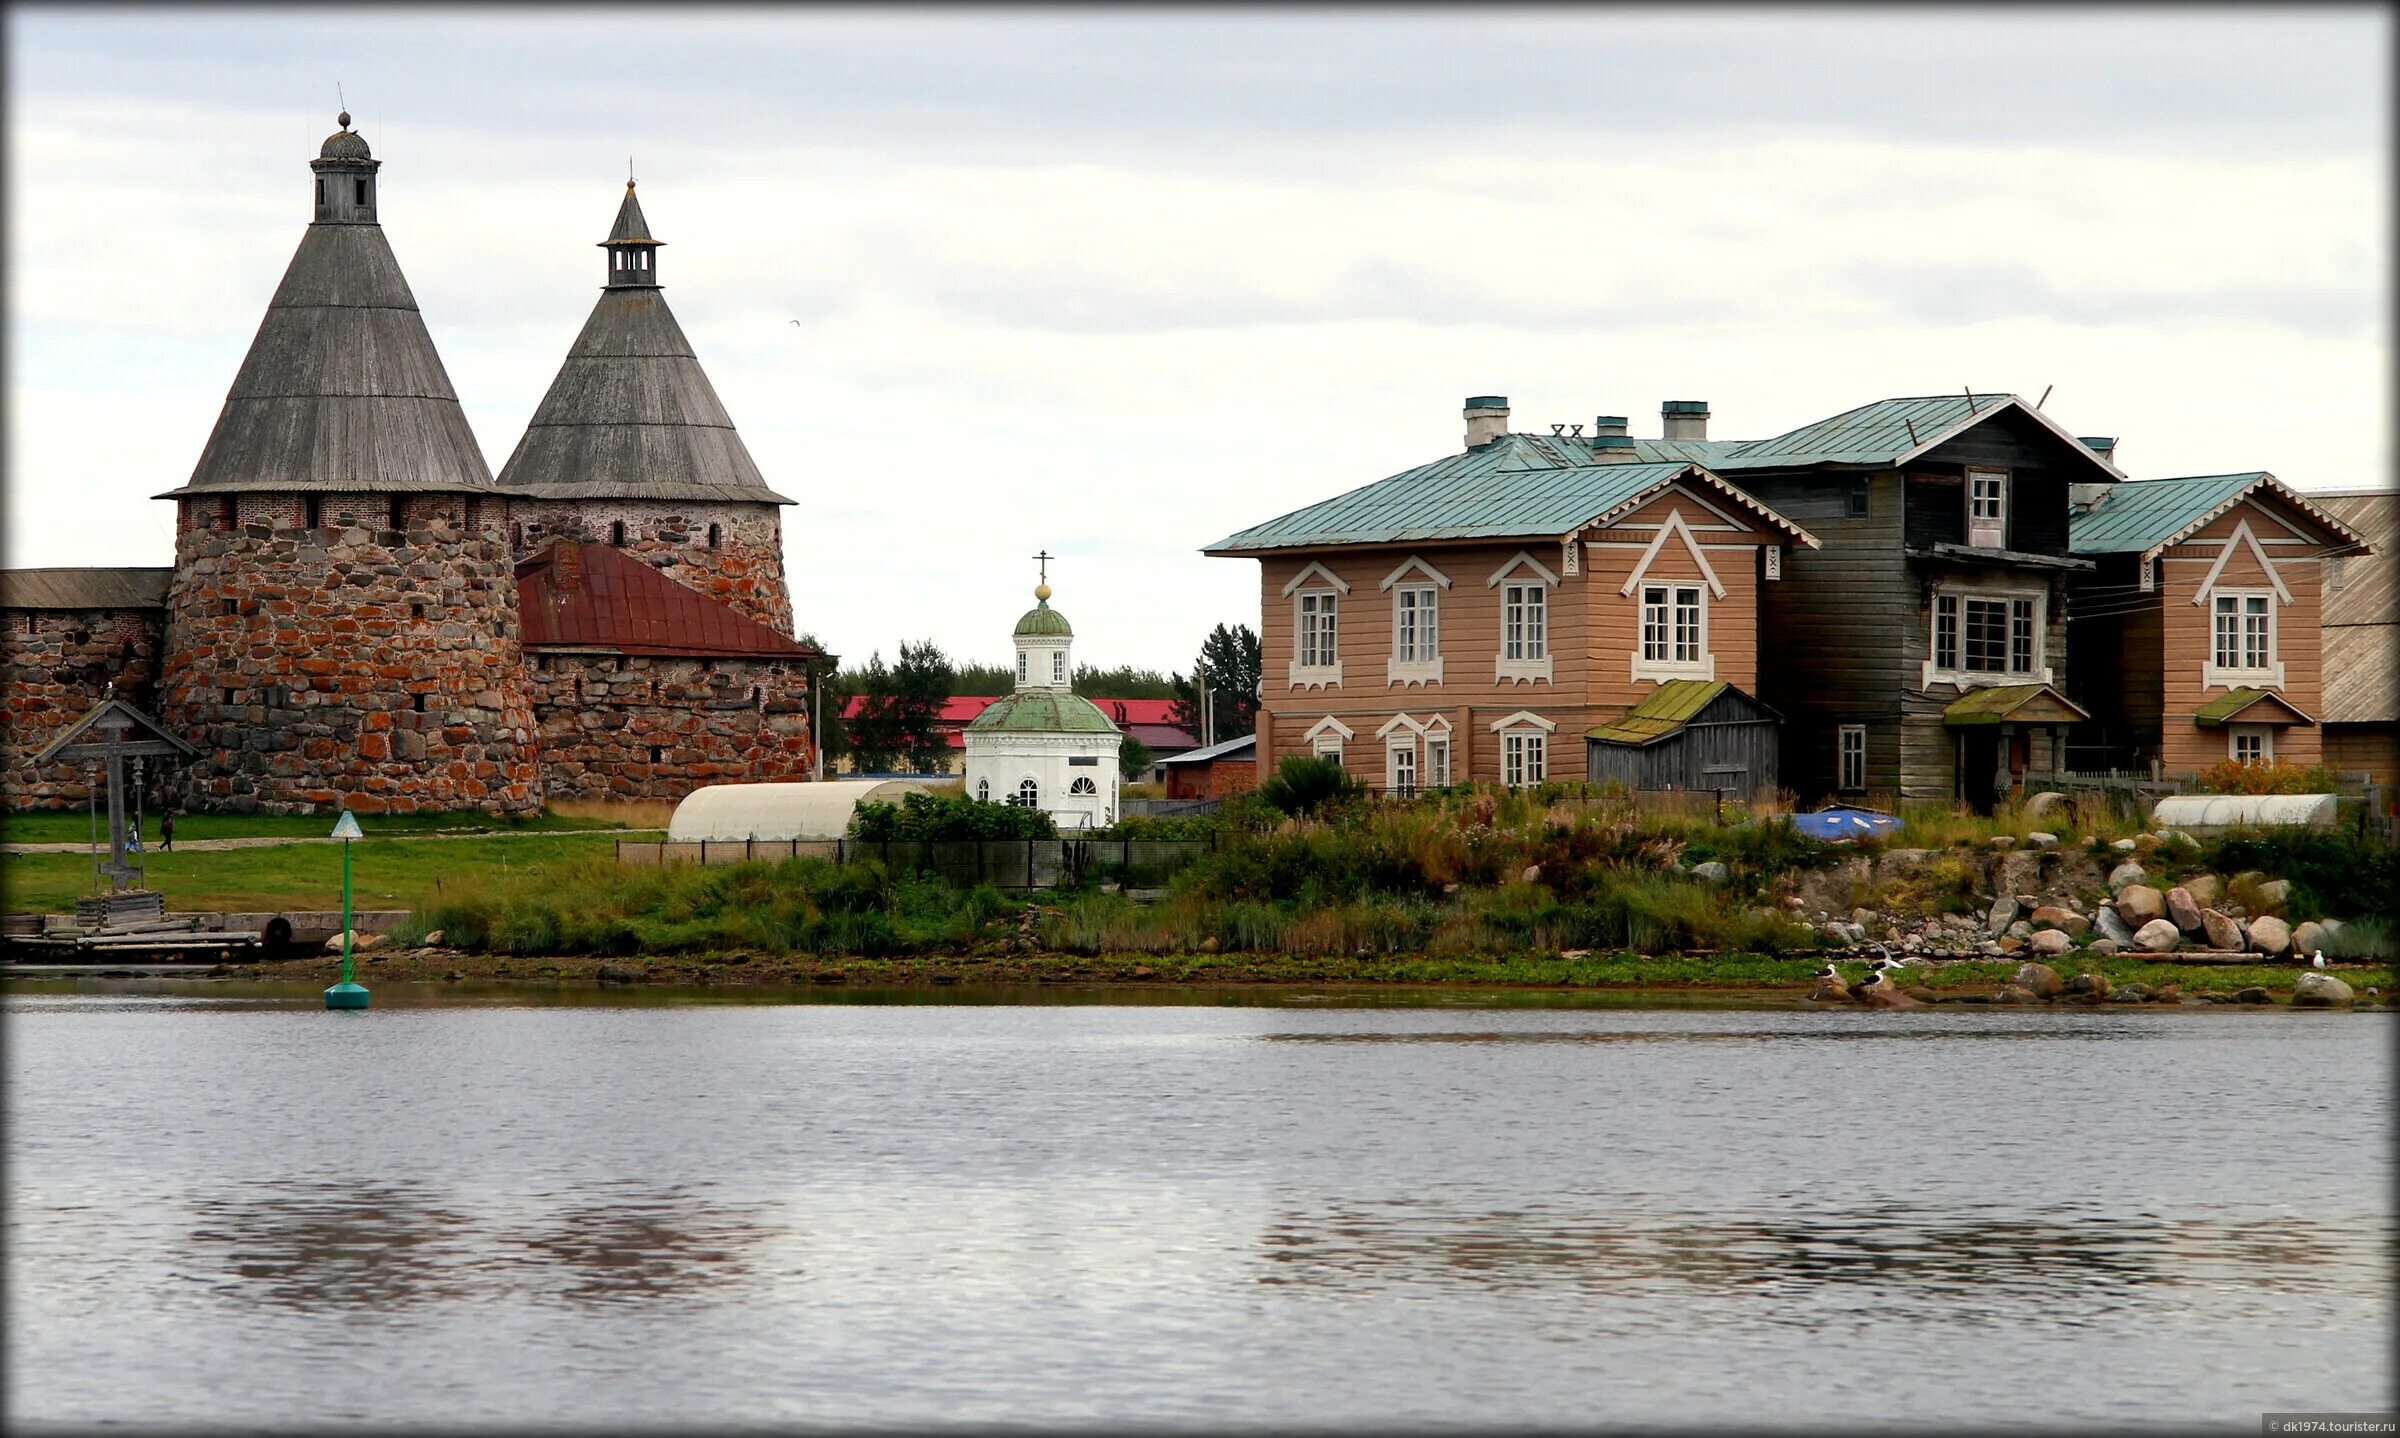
[629,727]
[370,668]
[744,571]
[59,663]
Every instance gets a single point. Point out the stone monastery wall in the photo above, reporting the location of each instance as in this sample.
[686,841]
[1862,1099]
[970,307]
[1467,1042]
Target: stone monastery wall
[59,663]
[376,669]
[656,728]
[742,570]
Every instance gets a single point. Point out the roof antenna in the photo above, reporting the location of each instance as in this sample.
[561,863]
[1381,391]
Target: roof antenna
[2045,399]
[1556,430]
[1969,391]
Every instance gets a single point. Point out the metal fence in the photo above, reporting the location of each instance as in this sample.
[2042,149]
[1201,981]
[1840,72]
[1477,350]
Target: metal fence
[1002,863]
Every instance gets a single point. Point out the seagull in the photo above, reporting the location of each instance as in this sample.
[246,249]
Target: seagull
[1880,992]
[2317,959]
[796,322]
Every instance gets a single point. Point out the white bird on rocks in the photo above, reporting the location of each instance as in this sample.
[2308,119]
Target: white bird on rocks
[2317,959]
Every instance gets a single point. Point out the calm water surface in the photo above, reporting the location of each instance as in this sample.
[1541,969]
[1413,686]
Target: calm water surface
[232,1209]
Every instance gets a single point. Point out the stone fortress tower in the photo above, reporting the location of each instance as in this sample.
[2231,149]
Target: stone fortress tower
[632,448]
[341,623]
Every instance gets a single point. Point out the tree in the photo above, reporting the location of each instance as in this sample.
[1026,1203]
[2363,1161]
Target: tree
[1229,662]
[899,710]
[984,679]
[834,688]
[1305,783]
[1133,759]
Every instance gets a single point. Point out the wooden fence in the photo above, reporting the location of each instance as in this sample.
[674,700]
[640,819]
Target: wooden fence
[1002,863]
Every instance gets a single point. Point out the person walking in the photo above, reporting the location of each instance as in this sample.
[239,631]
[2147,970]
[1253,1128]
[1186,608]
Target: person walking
[166,832]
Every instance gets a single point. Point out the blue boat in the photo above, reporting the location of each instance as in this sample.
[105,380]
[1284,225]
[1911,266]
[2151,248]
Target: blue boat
[1841,823]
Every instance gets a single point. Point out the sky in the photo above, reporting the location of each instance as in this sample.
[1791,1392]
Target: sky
[1117,283]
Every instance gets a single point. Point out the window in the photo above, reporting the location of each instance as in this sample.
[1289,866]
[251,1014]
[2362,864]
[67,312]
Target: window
[2249,746]
[399,514]
[516,536]
[658,753]
[1853,755]
[1058,666]
[1416,624]
[983,791]
[1319,646]
[713,536]
[233,607]
[1020,666]
[416,611]
[1400,767]
[1987,508]
[1854,500]
[419,700]
[1524,622]
[1671,623]
[2244,632]
[1028,795]
[1524,757]
[616,533]
[359,192]
[1327,746]
[320,193]
[1985,634]
[1437,761]
[1082,786]
[312,513]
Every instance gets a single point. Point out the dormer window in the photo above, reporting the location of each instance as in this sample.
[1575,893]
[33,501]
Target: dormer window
[1987,508]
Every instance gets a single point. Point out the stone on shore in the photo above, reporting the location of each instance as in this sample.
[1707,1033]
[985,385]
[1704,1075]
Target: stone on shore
[1712,872]
[2253,996]
[2123,846]
[2270,936]
[433,938]
[2042,840]
[2002,914]
[2043,804]
[2088,986]
[2204,889]
[2223,933]
[2309,937]
[2112,925]
[2128,872]
[2050,943]
[2101,948]
[2016,994]
[2040,980]
[619,974]
[2275,891]
[2053,916]
[2319,991]
[2183,909]
[2159,936]
[2138,904]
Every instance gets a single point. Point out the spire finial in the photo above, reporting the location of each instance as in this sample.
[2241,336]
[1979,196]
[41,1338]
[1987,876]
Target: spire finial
[1041,591]
[343,119]
[629,174]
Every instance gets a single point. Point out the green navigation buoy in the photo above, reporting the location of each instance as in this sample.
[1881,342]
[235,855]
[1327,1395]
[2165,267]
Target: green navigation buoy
[346,995]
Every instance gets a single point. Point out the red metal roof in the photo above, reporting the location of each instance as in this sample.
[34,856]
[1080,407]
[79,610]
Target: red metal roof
[575,595]
[1146,719]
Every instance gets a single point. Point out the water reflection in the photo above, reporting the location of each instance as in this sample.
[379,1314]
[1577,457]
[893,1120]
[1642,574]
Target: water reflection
[1896,1257]
[391,1247]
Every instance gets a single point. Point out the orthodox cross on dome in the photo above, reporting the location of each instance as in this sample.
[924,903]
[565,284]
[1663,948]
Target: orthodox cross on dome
[1042,591]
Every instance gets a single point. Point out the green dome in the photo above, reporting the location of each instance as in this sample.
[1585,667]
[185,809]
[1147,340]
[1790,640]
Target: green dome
[1033,711]
[1042,619]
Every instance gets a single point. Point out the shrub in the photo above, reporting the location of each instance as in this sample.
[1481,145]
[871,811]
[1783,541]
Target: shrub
[2333,871]
[936,817]
[2274,776]
[1305,783]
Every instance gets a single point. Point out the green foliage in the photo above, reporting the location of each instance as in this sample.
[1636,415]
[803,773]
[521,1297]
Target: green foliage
[1229,664]
[899,704]
[2273,776]
[2334,872]
[1305,783]
[938,817]
[1133,758]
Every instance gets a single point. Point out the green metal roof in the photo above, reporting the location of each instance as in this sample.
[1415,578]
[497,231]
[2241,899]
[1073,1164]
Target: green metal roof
[2223,708]
[1042,619]
[1037,711]
[2147,515]
[1876,433]
[1661,712]
[1518,485]
[2000,704]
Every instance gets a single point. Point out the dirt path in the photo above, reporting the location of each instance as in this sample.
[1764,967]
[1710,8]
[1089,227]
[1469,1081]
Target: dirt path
[269,841]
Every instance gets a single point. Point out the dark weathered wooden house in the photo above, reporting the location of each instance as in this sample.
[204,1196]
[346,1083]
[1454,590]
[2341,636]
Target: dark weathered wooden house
[1941,568]
[1688,734]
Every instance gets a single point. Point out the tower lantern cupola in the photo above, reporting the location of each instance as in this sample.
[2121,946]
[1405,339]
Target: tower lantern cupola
[345,178]
[1044,643]
[632,253]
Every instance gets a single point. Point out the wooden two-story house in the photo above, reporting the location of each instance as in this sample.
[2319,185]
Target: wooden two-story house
[1920,651]
[1476,617]
[2198,637]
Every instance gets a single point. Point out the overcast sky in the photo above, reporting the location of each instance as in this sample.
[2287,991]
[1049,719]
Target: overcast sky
[1118,283]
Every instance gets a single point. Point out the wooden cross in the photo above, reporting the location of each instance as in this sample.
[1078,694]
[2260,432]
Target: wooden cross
[1045,557]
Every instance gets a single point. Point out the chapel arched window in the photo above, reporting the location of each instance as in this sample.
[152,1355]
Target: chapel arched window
[1083,787]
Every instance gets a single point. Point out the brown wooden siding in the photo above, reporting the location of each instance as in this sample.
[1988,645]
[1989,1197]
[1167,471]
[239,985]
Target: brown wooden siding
[2187,637]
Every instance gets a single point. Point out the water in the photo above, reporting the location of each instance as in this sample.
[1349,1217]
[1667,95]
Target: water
[246,1211]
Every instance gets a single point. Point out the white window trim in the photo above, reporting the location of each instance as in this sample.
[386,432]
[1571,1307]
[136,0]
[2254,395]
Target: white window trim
[1963,678]
[1705,667]
[1524,560]
[1525,671]
[2266,741]
[1317,568]
[1420,566]
[1523,718]
[1405,672]
[1522,725]
[1327,736]
[1435,741]
[1399,722]
[1394,748]
[1843,734]
[2241,535]
[1317,676]
[2000,541]
[1674,527]
[2215,676]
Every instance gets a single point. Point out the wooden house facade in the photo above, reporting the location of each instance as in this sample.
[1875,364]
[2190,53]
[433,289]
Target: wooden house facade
[2199,633]
[1471,619]
[2361,718]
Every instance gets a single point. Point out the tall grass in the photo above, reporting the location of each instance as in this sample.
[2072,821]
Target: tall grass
[604,813]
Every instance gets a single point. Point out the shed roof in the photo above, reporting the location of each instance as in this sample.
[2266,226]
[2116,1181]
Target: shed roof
[2013,704]
[2250,706]
[2147,515]
[1222,749]
[342,389]
[1517,485]
[84,588]
[575,595]
[1660,713]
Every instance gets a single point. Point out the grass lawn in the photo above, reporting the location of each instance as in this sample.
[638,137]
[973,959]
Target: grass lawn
[385,873]
[62,827]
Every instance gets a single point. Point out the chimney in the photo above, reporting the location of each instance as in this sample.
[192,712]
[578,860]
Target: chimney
[1487,418]
[1610,442]
[1684,418]
[2103,445]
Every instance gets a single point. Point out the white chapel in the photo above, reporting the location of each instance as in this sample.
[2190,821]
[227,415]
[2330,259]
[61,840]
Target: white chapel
[1044,746]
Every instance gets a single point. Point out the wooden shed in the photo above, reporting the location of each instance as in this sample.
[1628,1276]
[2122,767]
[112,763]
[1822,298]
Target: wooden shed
[1689,734]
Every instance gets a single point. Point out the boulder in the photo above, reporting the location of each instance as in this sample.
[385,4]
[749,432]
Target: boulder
[2131,994]
[2138,904]
[2319,991]
[2309,937]
[1712,872]
[2123,846]
[2002,913]
[2020,930]
[2222,932]
[2128,872]
[2183,909]
[2051,916]
[2101,947]
[2167,994]
[1892,863]
[2044,803]
[619,974]
[2002,841]
[2040,980]
[2042,840]
[2269,935]
[2050,943]
[2016,994]
[2019,872]
[1532,874]
[2087,986]
[2204,888]
[2274,891]
[360,942]
[2112,925]
[2253,996]
[2159,936]
[433,938]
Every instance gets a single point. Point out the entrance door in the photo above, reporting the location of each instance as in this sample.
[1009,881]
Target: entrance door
[1982,773]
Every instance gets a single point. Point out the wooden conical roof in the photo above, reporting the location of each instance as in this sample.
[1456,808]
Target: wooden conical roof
[342,388]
